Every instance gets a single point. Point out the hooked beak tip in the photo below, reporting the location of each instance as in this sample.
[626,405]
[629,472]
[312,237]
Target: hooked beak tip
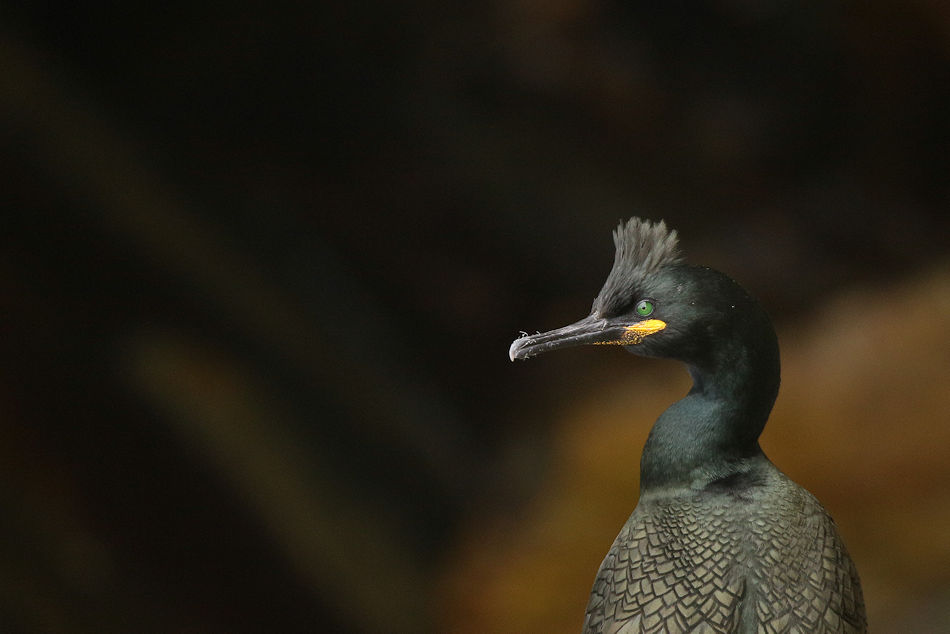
[515,348]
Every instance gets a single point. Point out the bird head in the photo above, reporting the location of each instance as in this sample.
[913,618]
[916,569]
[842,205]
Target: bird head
[656,305]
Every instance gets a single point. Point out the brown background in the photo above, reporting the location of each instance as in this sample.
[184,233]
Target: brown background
[260,267]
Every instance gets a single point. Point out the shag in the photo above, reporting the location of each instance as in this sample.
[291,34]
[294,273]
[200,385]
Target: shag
[720,540]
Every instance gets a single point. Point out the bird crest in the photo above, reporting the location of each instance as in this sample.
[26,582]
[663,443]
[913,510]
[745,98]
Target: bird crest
[642,249]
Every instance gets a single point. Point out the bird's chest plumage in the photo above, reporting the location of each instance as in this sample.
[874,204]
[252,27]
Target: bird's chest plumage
[723,562]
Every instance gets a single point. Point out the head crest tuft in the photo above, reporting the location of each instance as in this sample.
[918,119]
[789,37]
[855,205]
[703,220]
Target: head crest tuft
[643,248]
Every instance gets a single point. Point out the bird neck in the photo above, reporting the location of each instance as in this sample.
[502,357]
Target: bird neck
[712,433]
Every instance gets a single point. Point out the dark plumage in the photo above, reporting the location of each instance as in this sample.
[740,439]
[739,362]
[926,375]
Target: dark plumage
[721,540]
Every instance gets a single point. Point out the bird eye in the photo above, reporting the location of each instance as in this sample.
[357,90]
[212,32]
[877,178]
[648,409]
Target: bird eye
[645,308]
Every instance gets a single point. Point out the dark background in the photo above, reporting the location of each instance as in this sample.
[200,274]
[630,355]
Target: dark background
[260,266]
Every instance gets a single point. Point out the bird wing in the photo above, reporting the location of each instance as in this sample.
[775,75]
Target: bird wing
[667,572]
[804,575]
[689,566]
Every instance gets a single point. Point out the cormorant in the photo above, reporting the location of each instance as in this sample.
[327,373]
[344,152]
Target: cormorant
[720,540]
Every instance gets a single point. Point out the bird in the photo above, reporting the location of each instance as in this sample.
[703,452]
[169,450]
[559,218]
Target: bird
[721,540]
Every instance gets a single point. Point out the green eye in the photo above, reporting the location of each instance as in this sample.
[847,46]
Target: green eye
[644,308]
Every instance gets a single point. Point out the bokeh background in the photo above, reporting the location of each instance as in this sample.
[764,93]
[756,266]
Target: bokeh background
[260,265]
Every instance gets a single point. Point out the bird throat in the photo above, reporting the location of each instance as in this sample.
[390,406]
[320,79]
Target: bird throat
[713,431]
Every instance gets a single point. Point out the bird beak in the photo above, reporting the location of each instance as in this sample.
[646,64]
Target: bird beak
[590,330]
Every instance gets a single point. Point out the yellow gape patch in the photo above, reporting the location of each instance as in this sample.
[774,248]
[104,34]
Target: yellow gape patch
[635,333]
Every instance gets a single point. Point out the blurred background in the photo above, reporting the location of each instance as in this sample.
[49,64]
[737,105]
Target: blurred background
[261,265]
